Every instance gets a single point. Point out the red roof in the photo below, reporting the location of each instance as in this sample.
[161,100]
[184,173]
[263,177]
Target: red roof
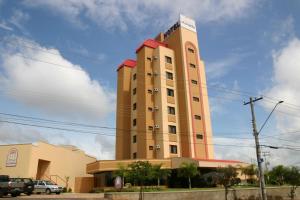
[150,43]
[128,63]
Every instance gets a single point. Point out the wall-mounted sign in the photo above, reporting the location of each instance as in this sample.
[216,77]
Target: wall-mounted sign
[184,22]
[12,157]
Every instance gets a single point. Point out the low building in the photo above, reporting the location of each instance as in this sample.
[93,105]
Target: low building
[64,165]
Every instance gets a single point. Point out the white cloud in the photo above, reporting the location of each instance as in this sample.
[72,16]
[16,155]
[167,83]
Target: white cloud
[118,14]
[4,26]
[63,90]
[18,19]
[286,86]
[13,134]
[283,30]
[218,102]
[220,68]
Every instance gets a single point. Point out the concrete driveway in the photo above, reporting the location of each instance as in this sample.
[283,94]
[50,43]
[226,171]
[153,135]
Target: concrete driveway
[77,196]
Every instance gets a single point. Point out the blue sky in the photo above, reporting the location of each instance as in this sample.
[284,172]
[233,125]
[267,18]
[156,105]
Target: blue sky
[59,60]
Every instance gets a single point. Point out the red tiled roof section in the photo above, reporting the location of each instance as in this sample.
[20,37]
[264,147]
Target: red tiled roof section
[151,43]
[128,63]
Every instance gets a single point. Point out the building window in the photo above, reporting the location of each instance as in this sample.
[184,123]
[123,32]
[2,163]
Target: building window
[168,59]
[172,129]
[134,76]
[134,122]
[196,99]
[149,59]
[170,92]
[150,147]
[150,128]
[192,65]
[171,110]
[199,136]
[173,149]
[191,50]
[134,91]
[150,91]
[150,109]
[194,82]
[134,155]
[198,117]
[169,75]
[149,74]
[134,139]
[134,106]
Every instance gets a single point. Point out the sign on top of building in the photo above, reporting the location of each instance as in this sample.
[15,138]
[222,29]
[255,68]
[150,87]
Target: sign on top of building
[184,22]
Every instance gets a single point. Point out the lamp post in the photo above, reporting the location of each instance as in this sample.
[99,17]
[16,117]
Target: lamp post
[258,150]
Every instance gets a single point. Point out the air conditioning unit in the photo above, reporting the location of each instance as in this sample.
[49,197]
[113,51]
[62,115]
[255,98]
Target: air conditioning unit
[157,146]
[155,107]
[156,126]
[155,89]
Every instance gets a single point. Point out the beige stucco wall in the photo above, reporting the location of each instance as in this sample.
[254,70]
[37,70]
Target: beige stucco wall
[64,162]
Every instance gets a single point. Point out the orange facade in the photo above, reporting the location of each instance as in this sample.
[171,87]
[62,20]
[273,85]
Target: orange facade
[162,103]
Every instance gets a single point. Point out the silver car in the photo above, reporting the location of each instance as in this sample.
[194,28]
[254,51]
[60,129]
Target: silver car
[47,187]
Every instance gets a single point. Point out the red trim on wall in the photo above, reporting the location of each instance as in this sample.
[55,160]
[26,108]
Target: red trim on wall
[128,63]
[201,96]
[215,160]
[150,43]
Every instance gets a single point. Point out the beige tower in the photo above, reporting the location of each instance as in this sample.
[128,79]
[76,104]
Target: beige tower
[162,106]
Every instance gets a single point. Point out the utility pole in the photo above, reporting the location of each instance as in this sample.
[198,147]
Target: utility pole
[258,151]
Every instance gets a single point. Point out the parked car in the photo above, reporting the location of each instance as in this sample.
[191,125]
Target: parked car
[47,187]
[28,185]
[8,186]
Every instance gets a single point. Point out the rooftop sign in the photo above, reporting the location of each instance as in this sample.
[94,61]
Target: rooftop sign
[184,22]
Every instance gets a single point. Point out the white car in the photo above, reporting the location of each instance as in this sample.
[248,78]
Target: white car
[47,187]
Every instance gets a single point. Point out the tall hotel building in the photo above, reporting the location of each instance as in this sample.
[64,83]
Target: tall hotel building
[162,103]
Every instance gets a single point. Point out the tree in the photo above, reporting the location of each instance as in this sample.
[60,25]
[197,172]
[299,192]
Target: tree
[276,175]
[140,171]
[122,172]
[188,170]
[249,171]
[292,177]
[158,173]
[226,176]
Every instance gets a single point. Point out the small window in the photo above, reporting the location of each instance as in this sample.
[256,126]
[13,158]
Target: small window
[134,122]
[150,147]
[169,75]
[134,91]
[134,155]
[196,99]
[171,110]
[149,59]
[194,82]
[170,92]
[150,91]
[150,128]
[168,59]
[199,136]
[173,149]
[134,139]
[149,74]
[134,106]
[150,109]
[172,129]
[134,77]
[198,117]
[191,50]
[192,65]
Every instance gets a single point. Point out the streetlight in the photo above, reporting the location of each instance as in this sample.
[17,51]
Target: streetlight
[258,150]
